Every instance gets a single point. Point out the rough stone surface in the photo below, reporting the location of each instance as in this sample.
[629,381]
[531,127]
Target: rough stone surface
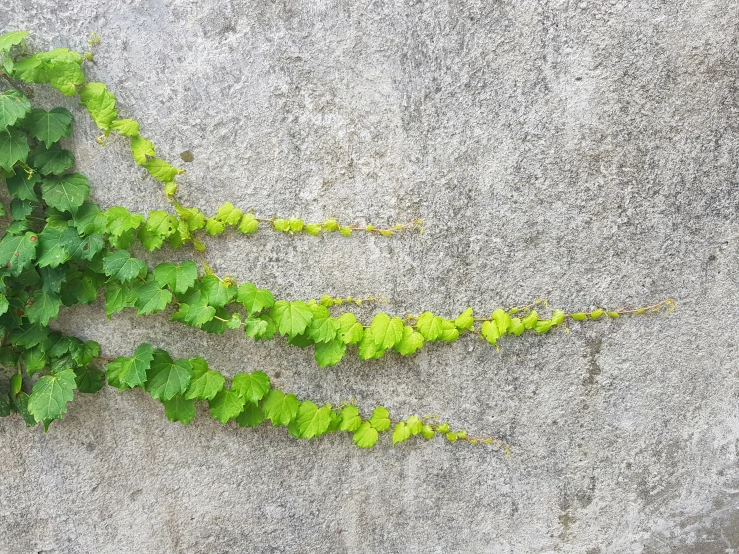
[582,152]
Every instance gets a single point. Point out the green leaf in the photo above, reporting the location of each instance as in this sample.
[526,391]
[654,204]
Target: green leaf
[8,40]
[81,249]
[386,332]
[291,318]
[430,326]
[216,293]
[51,251]
[251,416]
[380,419]
[22,186]
[13,106]
[13,148]
[350,331]
[150,298]
[350,419]
[254,300]
[179,409]
[100,103]
[126,372]
[411,342]
[401,433]
[161,170]
[49,126]
[252,386]
[281,409]
[122,267]
[141,148]
[328,354]
[29,335]
[117,297]
[88,379]
[177,277]
[227,404]
[16,253]
[50,395]
[66,193]
[126,127]
[312,420]
[205,383]
[121,220]
[89,219]
[449,332]
[51,161]
[197,313]
[366,436]
[166,378]
[43,307]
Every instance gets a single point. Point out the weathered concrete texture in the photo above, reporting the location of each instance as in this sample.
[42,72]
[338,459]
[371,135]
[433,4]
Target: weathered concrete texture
[581,152]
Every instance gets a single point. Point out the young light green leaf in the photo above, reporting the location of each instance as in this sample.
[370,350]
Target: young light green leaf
[291,318]
[502,321]
[100,103]
[64,76]
[490,331]
[411,342]
[465,320]
[10,39]
[248,224]
[430,326]
[324,329]
[50,395]
[350,419]
[141,148]
[158,227]
[414,424]
[126,127]
[280,408]
[350,331]
[254,300]
[161,170]
[366,436]
[401,433]
[386,332]
[252,386]
[330,353]
[312,420]
[380,419]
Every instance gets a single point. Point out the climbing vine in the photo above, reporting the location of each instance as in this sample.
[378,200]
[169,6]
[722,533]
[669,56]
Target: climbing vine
[59,249]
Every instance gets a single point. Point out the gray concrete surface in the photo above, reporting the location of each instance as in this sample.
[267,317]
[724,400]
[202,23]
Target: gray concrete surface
[582,152]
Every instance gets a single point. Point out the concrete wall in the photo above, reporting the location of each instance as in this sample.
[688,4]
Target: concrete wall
[582,152]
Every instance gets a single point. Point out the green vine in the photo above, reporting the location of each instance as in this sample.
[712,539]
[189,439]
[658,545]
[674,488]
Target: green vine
[61,250]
